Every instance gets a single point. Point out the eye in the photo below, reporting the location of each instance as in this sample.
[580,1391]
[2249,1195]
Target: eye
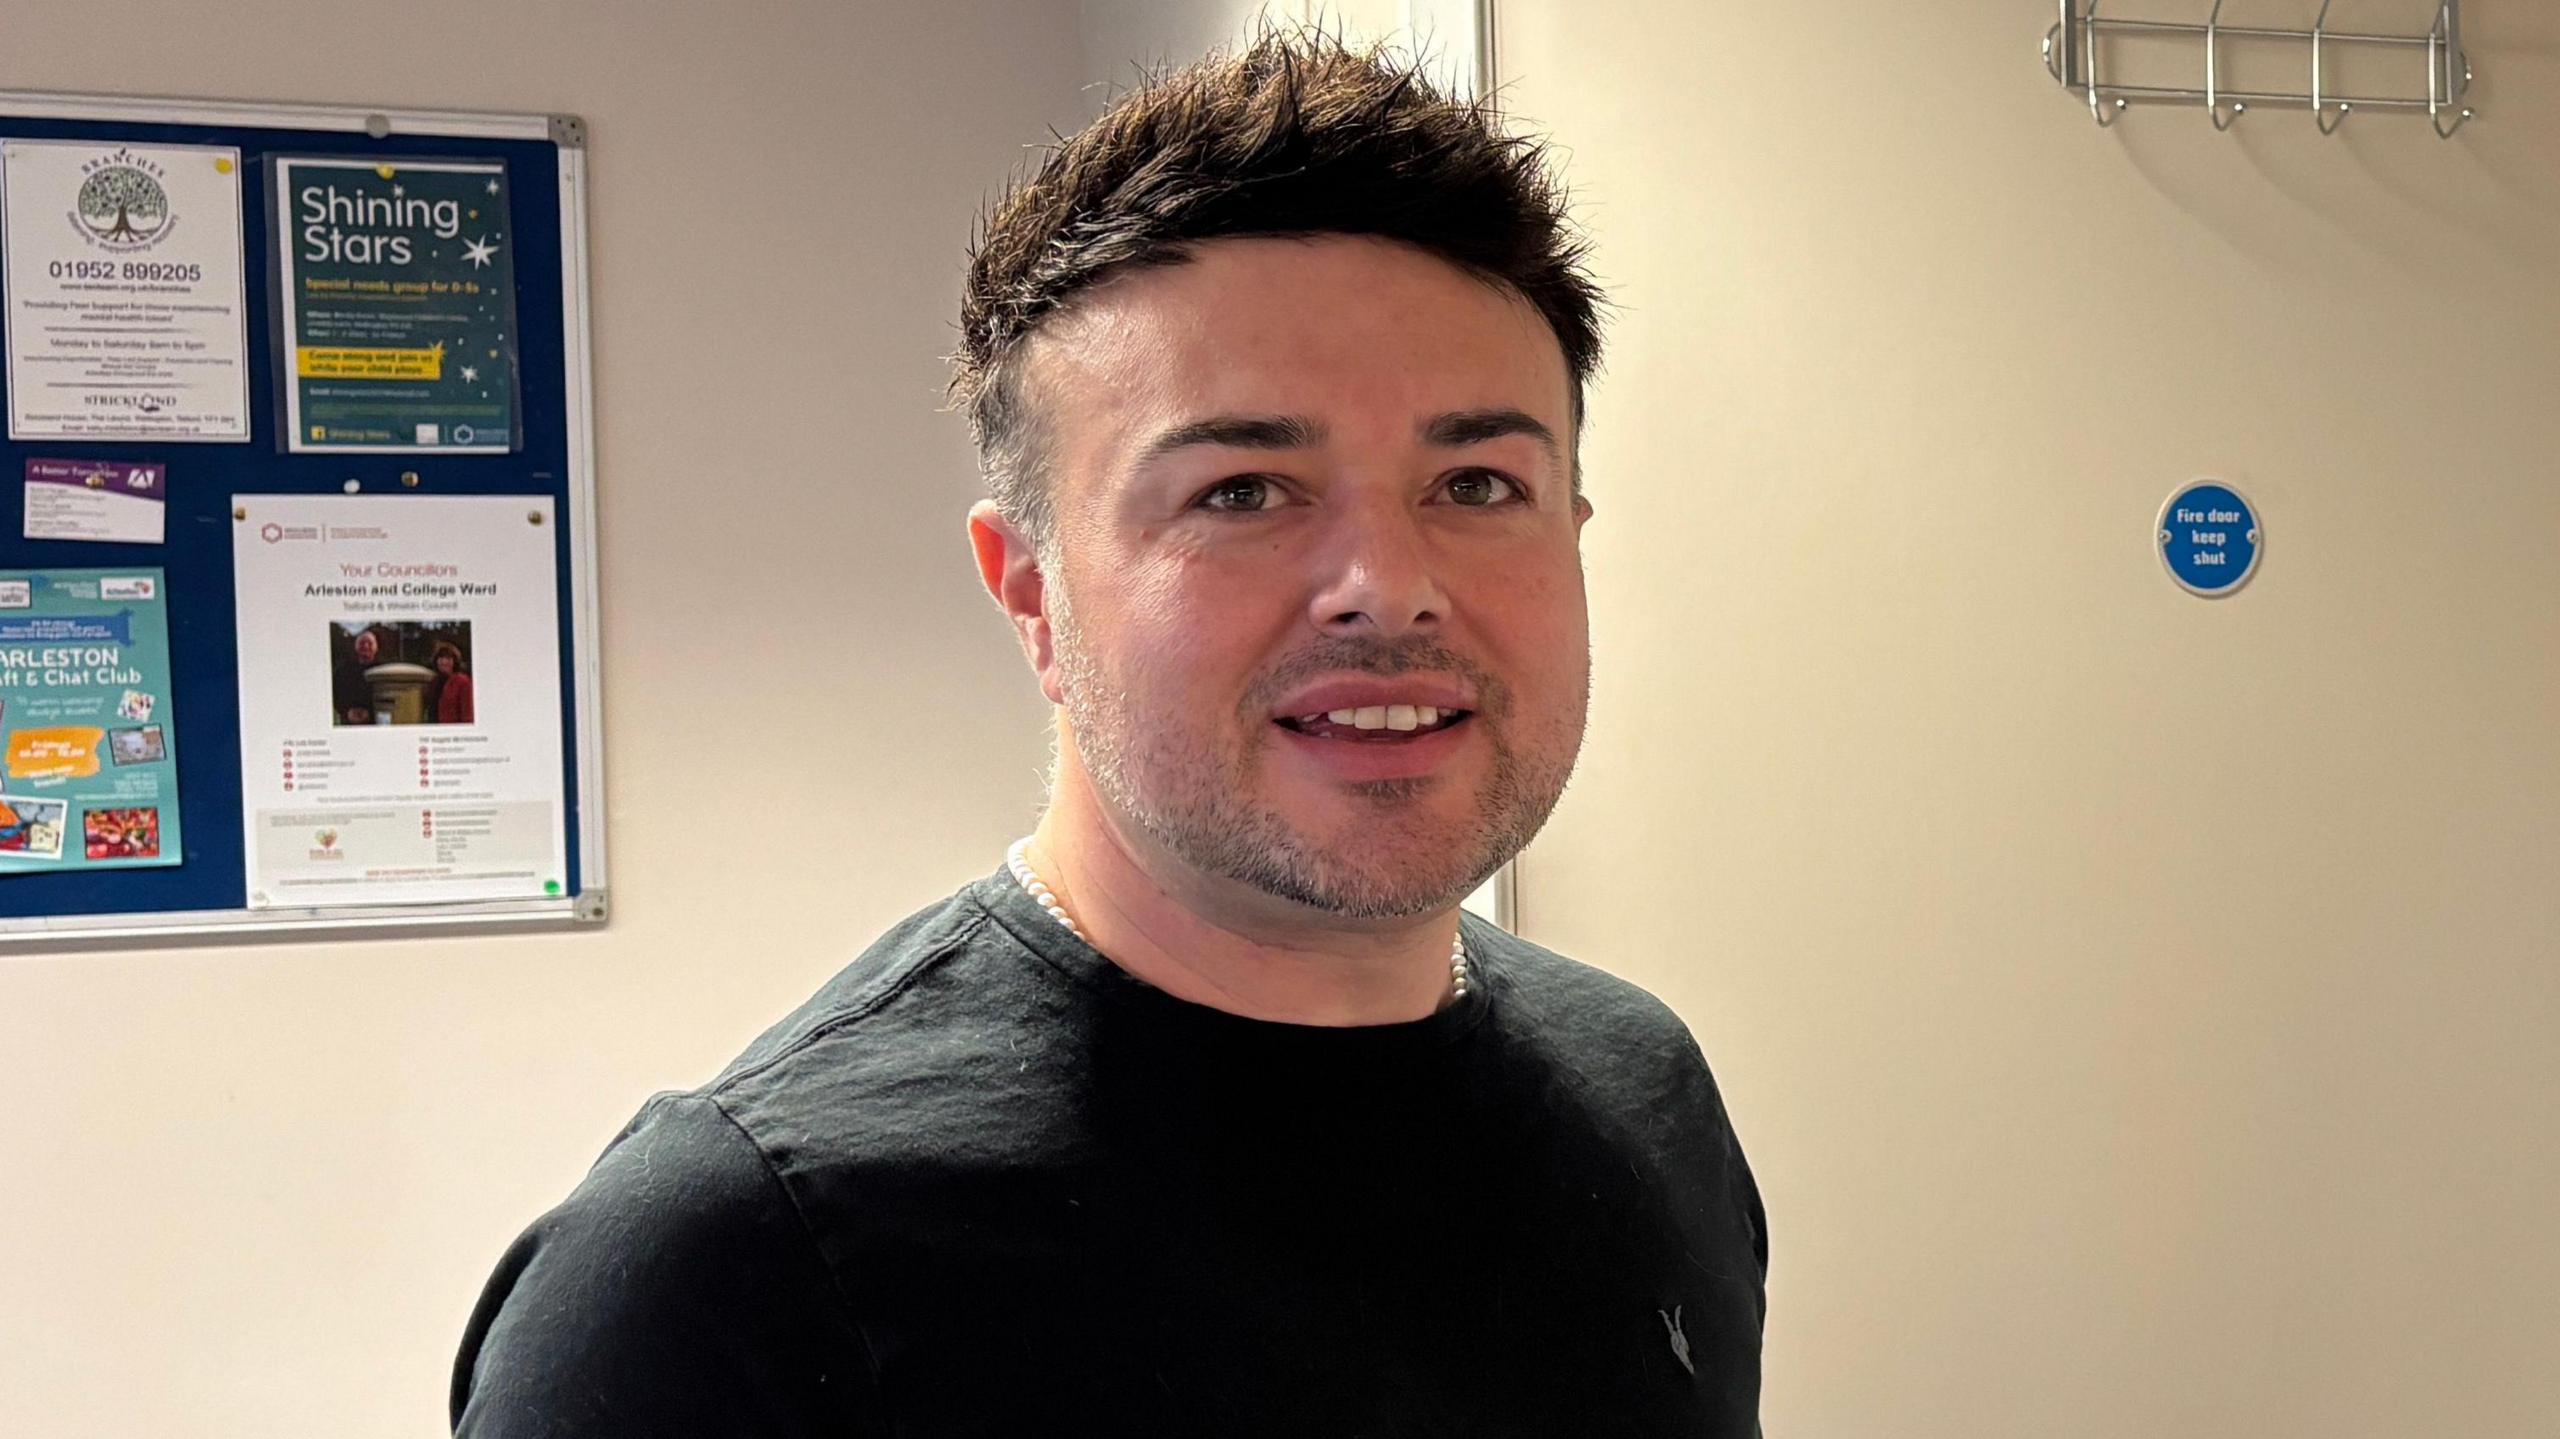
[1240,495]
[1479,488]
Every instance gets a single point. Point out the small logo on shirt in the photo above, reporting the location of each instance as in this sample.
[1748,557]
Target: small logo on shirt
[1679,1341]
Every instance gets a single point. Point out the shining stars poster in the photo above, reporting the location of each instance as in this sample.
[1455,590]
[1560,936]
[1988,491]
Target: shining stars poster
[396,305]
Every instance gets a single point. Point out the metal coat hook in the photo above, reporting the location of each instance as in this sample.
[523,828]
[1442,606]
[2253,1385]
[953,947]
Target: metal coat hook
[2213,72]
[2105,115]
[2319,111]
[2444,52]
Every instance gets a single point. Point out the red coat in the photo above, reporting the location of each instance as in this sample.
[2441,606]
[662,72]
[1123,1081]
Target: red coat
[453,702]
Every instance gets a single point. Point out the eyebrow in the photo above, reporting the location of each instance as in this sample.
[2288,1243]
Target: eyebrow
[1453,430]
[1237,432]
[1474,427]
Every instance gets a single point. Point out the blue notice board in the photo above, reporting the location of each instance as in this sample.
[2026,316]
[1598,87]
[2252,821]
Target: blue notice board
[530,169]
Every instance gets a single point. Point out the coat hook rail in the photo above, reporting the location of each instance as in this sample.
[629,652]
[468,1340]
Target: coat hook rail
[2075,44]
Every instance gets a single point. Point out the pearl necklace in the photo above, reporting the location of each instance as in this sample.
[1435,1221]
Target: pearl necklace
[1018,860]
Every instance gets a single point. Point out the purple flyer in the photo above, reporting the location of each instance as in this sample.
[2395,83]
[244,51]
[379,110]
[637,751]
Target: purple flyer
[109,501]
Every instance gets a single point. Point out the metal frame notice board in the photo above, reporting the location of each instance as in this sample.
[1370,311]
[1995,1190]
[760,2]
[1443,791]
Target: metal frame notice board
[205,894]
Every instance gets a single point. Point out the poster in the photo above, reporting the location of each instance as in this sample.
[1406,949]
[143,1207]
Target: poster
[103,501]
[88,756]
[400,710]
[396,299]
[124,313]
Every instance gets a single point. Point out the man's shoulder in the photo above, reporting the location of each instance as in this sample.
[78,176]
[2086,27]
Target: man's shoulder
[946,1019]
[1605,1038]
[676,1288]
[1567,999]
[939,936]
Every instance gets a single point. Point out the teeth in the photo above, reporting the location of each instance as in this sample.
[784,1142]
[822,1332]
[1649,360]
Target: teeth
[1404,718]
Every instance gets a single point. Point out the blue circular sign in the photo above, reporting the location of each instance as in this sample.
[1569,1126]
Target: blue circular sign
[2210,539]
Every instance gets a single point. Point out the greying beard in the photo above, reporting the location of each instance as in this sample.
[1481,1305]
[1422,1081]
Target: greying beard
[1193,802]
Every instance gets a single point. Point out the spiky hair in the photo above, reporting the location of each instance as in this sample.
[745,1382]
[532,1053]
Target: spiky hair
[1297,133]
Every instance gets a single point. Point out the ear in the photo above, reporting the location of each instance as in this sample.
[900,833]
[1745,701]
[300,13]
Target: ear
[1009,566]
[1581,513]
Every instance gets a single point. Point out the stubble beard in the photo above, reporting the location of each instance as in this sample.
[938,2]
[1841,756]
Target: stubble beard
[1190,788]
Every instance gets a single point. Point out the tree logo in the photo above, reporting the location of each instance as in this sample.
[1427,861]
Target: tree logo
[121,204]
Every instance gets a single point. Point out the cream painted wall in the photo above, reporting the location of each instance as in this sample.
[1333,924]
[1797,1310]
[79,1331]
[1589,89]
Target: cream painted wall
[253,1192]
[1123,37]
[2086,1103]
[2140,1010]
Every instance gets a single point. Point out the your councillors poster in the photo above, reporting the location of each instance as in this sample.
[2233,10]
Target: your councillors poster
[400,731]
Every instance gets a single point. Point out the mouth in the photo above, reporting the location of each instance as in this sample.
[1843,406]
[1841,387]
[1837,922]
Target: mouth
[1376,724]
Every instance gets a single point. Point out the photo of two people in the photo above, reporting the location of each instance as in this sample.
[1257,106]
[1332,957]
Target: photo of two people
[401,672]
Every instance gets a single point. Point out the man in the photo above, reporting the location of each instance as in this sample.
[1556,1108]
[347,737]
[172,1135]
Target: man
[351,689]
[1207,1114]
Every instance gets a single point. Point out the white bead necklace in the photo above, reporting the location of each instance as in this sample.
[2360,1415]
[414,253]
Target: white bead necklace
[1018,860]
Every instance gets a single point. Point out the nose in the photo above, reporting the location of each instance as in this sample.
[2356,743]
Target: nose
[1378,576]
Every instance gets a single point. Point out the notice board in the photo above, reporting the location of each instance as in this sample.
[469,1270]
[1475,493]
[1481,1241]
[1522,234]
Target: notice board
[297,552]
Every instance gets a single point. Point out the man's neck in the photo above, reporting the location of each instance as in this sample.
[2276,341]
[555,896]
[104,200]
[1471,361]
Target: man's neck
[1216,942]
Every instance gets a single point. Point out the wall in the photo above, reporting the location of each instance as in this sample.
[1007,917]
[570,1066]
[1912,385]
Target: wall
[252,1192]
[1122,37]
[2139,1009]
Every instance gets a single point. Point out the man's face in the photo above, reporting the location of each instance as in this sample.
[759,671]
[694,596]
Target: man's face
[366,648]
[1303,486]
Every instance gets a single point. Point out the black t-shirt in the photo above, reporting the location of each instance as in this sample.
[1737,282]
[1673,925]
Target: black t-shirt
[987,1183]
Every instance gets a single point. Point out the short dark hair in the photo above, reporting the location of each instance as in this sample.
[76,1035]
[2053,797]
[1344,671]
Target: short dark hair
[1298,133]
